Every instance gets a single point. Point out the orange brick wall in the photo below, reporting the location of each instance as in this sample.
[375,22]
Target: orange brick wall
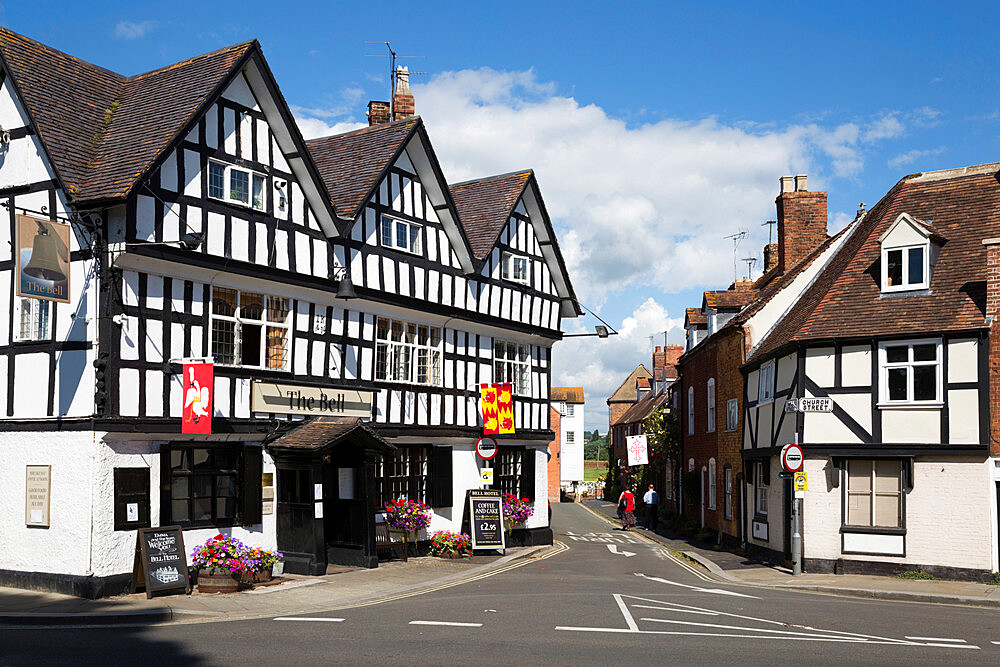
[554,454]
[729,384]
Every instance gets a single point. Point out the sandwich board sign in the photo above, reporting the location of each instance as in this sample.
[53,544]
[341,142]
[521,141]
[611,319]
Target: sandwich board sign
[160,562]
[486,519]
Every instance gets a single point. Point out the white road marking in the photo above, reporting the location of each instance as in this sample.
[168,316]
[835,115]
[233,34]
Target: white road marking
[449,623]
[613,548]
[686,611]
[997,643]
[717,591]
[322,619]
[936,639]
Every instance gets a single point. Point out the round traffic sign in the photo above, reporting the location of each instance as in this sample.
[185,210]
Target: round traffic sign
[486,448]
[791,458]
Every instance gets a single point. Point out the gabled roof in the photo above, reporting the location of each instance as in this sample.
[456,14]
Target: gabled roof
[567,394]
[626,391]
[922,227]
[730,299]
[695,317]
[353,164]
[649,404]
[101,130]
[484,207]
[845,300]
[321,433]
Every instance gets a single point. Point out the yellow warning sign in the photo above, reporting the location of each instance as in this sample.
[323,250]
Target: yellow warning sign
[799,481]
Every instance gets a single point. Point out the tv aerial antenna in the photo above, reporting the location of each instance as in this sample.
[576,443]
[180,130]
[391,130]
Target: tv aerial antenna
[770,229]
[750,263]
[737,238]
[393,57]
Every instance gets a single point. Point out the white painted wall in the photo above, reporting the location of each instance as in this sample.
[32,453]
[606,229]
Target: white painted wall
[571,453]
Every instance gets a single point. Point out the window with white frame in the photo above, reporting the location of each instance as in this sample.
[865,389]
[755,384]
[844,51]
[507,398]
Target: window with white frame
[512,363]
[250,329]
[237,185]
[711,484]
[760,483]
[732,414]
[711,405]
[514,268]
[401,235]
[727,487]
[905,267]
[407,352]
[570,409]
[765,387]
[690,410]
[570,437]
[874,493]
[910,372]
[34,320]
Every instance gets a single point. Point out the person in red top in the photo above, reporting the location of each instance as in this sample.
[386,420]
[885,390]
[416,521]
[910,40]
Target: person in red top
[627,498]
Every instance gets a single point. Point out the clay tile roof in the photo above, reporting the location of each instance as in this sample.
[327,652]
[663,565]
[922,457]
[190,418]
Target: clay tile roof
[102,130]
[351,164]
[626,392]
[484,206]
[567,394]
[649,404]
[729,299]
[321,432]
[845,299]
[695,317]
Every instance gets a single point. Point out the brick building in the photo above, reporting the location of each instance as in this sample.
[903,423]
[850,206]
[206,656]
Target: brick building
[624,397]
[555,454]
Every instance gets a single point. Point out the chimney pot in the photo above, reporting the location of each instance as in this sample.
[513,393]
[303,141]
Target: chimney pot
[800,183]
[787,184]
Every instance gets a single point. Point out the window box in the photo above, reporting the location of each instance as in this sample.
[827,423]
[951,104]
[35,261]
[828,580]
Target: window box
[910,374]
[401,235]
[237,185]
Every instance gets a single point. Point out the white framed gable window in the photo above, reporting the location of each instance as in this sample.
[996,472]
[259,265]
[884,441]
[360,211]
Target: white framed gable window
[514,268]
[908,250]
[237,185]
[512,363]
[732,414]
[33,319]
[407,352]
[711,405]
[401,235]
[250,329]
[910,373]
[765,386]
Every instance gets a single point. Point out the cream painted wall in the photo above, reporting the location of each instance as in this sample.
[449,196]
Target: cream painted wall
[963,361]
[911,425]
[963,416]
[856,366]
[785,372]
[820,363]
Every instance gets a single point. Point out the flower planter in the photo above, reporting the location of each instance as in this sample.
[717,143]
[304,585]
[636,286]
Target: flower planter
[259,577]
[450,555]
[217,581]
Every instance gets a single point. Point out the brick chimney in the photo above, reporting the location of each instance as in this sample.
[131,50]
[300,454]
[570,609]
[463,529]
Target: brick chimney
[742,286]
[402,100]
[992,305]
[770,256]
[665,362]
[801,221]
[378,113]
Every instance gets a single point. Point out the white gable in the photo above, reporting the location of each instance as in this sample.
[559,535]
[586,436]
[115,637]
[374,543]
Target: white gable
[904,231]
[239,92]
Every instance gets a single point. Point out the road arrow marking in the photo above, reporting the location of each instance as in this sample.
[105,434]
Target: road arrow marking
[717,591]
[613,548]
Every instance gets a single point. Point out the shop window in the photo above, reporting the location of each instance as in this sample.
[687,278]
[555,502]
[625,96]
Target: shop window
[131,498]
[512,363]
[250,329]
[407,352]
[874,493]
[910,373]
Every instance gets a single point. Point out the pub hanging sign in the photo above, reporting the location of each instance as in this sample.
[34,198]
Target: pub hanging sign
[42,259]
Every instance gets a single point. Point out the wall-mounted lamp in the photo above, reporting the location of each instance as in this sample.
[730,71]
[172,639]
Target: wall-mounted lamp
[345,288]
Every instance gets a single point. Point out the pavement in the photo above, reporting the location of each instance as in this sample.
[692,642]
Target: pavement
[290,594]
[731,567]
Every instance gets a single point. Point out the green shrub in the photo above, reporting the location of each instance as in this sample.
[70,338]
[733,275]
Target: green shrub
[916,574]
[995,581]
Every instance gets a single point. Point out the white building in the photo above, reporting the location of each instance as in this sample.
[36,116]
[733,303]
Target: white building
[201,226]
[569,402]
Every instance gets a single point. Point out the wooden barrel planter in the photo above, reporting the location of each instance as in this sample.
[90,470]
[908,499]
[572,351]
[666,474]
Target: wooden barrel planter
[259,577]
[217,581]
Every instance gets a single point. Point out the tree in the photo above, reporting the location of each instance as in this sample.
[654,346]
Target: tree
[663,438]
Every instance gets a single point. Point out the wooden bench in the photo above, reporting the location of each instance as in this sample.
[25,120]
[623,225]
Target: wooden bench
[384,541]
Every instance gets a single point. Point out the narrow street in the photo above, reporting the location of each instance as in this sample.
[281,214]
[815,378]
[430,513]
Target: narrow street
[609,596]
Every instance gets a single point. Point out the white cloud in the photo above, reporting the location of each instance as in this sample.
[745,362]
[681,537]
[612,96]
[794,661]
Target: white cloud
[909,157]
[133,29]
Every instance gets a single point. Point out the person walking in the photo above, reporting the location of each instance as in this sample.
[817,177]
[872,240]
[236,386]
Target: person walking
[652,500]
[628,516]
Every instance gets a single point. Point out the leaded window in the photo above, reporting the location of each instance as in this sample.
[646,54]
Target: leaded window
[250,329]
[35,319]
[507,470]
[407,352]
[203,485]
[403,475]
[512,363]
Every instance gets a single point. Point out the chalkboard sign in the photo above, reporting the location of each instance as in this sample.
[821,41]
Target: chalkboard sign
[486,514]
[160,563]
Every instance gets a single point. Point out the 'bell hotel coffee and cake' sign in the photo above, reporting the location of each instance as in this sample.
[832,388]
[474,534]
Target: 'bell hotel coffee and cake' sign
[42,259]
[290,399]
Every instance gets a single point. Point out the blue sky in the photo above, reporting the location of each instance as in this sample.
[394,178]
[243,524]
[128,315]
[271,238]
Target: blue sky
[655,129]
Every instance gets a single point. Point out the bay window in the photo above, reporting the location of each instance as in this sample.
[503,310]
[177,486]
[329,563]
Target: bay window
[250,329]
[407,352]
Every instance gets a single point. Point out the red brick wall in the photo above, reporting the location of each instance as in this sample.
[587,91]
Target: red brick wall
[801,225]
[615,411]
[992,306]
[554,454]
[731,353]
[696,369]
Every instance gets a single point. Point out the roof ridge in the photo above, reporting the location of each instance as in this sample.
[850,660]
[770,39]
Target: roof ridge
[188,61]
[54,50]
[955,172]
[363,130]
[516,172]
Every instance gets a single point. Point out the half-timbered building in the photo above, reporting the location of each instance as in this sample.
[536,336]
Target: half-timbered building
[203,227]
[894,335]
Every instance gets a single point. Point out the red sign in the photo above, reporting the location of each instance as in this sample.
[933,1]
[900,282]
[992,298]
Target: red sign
[498,408]
[791,458]
[198,388]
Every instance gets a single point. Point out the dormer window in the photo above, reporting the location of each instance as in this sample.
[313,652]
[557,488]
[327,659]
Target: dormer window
[909,248]
[514,268]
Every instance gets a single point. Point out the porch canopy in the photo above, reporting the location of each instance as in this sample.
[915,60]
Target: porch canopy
[320,434]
